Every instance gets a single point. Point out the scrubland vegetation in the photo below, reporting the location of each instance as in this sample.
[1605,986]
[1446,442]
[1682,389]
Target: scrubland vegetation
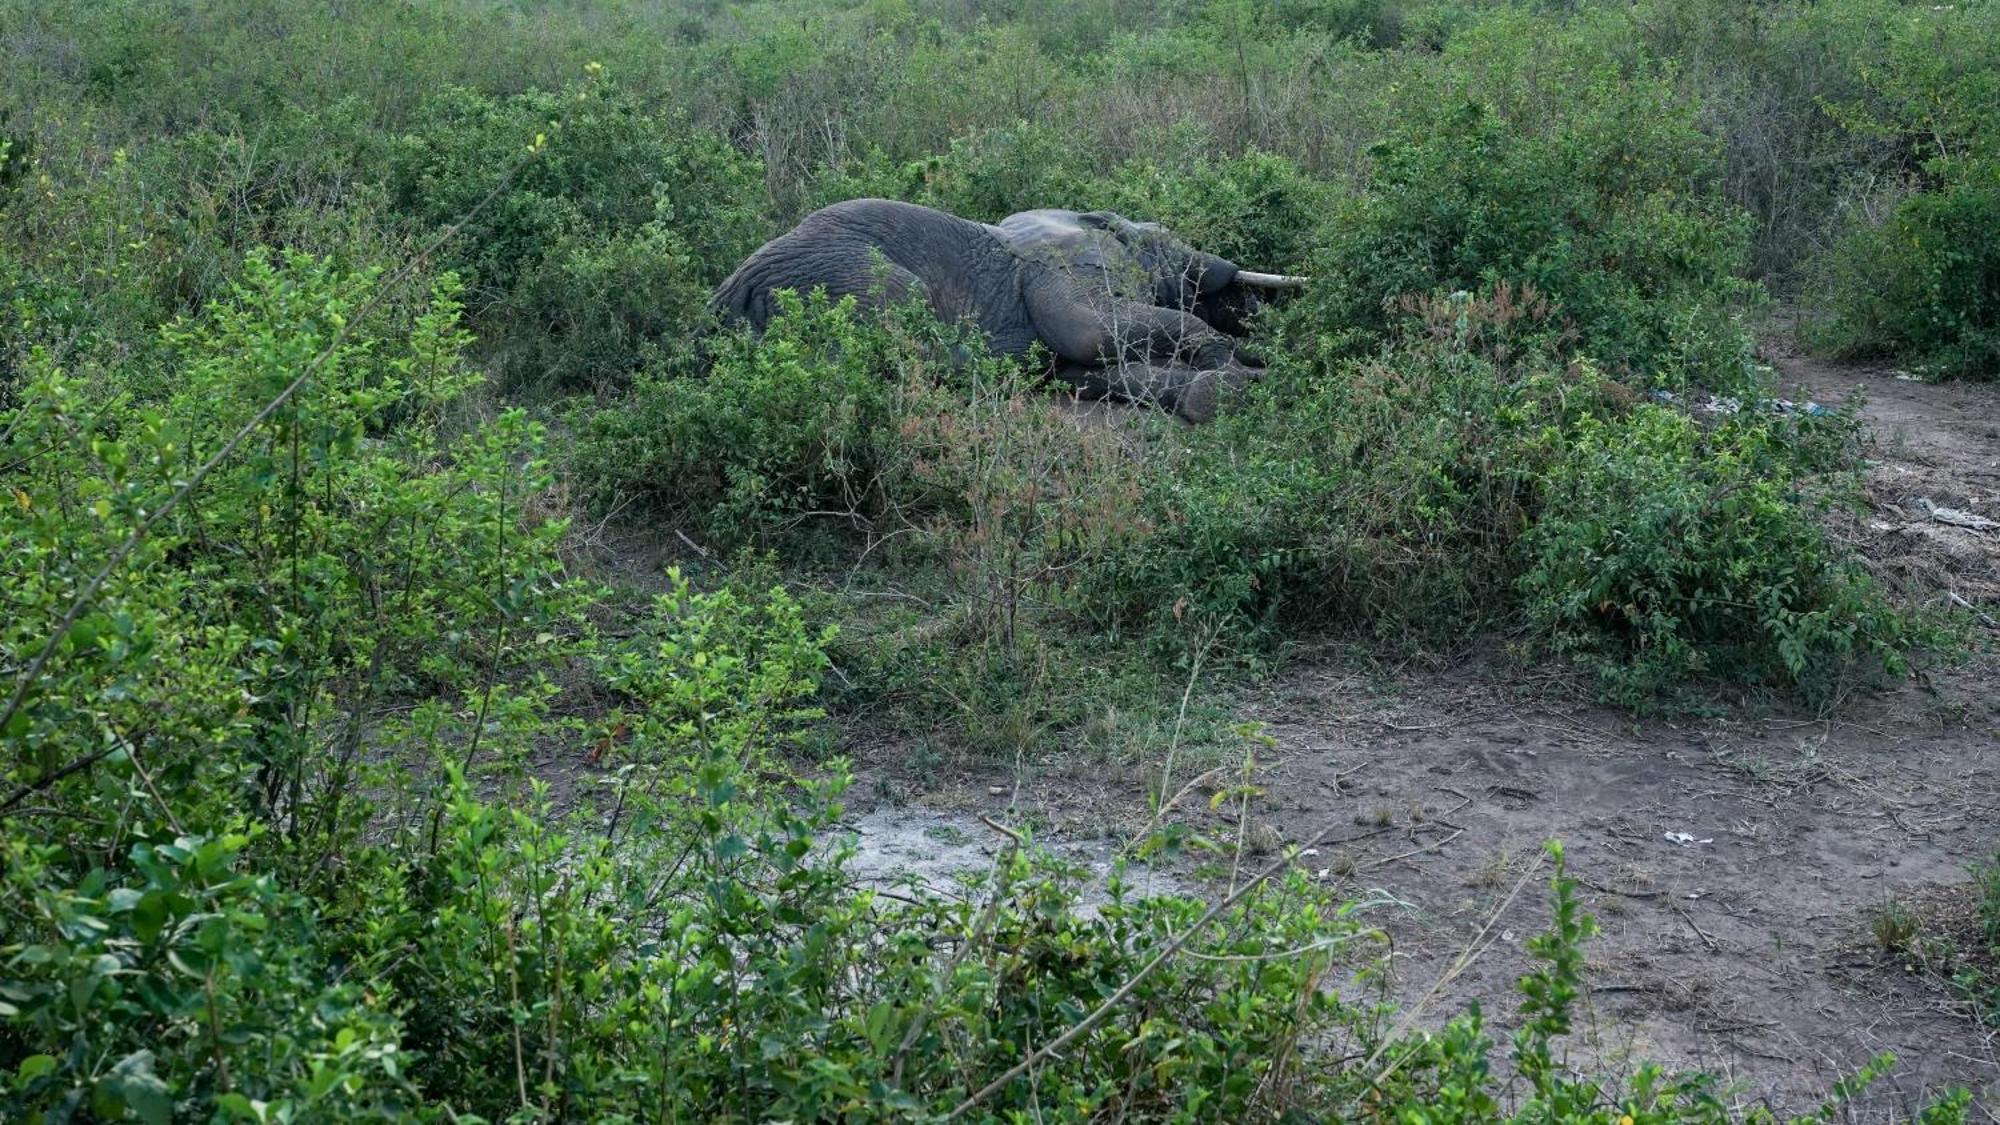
[325,330]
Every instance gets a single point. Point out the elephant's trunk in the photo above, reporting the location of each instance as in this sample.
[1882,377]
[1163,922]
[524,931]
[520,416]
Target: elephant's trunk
[1270,280]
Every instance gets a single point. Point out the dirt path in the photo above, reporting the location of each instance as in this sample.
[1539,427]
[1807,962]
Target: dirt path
[1935,443]
[1734,865]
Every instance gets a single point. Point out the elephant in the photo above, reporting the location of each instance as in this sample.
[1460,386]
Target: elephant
[1124,309]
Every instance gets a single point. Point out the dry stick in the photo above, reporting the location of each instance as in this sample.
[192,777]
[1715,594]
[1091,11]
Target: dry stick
[1286,954]
[1174,744]
[166,810]
[1465,958]
[1985,619]
[1171,802]
[125,549]
[1125,990]
[1431,847]
[1698,931]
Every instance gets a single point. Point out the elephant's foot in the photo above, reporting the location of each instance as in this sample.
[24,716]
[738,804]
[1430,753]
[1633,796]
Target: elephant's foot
[1201,392]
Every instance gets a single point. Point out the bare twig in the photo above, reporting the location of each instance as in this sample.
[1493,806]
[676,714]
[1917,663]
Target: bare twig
[166,810]
[978,934]
[1706,940]
[53,776]
[1372,864]
[1465,959]
[1180,723]
[1616,891]
[1985,619]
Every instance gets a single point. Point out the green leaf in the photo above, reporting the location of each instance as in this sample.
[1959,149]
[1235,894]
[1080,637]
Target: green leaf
[149,916]
[35,1066]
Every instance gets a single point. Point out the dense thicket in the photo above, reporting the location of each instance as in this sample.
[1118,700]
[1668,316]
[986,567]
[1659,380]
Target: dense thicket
[294,295]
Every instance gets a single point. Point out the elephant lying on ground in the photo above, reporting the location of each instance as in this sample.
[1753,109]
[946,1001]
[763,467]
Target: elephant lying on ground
[1126,309]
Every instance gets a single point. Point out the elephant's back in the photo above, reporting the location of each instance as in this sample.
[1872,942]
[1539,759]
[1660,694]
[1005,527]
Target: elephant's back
[862,247]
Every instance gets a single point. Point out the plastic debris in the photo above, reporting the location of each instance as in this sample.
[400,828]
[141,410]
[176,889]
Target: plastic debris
[1957,517]
[1724,404]
[1685,840]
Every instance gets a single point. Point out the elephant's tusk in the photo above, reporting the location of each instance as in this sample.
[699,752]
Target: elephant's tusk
[1271,280]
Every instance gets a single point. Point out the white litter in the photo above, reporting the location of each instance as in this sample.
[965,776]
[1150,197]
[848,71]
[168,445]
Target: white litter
[1957,517]
[1685,840]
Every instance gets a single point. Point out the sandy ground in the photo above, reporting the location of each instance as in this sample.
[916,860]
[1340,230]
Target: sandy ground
[1734,864]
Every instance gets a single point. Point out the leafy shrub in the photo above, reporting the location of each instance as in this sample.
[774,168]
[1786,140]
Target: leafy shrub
[1924,284]
[1583,193]
[1255,208]
[984,175]
[173,951]
[1373,23]
[1378,493]
[1470,475]
[614,232]
[181,975]
[1915,276]
[774,430]
[1665,552]
[1258,210]
[713,960]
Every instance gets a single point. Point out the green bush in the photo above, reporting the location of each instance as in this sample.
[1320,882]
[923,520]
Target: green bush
[1667,553]
[1587,187]
[1255,208]
[231,673]
[1469,476]
[1377,494]
[611,225]
[773,432]
[182,975]
[1915,277]
[1924,285]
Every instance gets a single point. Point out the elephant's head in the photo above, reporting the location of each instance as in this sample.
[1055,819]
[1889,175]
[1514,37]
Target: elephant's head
[1145,262]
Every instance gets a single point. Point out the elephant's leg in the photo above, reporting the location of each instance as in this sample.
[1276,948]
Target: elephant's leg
[1136,351]
[1187,391]
[1151,334]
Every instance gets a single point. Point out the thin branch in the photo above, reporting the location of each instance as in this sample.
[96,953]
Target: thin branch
[979,931]
[1465,959]
[48,779]
[1125,990]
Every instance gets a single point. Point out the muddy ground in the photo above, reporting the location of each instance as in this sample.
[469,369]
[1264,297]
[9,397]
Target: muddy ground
[1735,864]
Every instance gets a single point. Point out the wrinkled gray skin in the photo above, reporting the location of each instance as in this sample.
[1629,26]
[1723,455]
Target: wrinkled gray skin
[1126,309]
